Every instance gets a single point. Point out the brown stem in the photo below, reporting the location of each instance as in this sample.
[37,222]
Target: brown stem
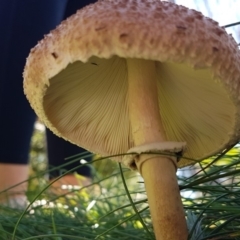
[158,172]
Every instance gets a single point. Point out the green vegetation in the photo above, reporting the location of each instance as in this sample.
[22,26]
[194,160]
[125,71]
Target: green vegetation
[115,205]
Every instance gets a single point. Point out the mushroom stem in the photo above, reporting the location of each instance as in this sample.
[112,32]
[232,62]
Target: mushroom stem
[158,172]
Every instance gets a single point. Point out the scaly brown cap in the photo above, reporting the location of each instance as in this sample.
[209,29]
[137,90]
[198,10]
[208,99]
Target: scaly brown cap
[76,77]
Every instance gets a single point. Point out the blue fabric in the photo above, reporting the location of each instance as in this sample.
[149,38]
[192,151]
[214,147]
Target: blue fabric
[22,24]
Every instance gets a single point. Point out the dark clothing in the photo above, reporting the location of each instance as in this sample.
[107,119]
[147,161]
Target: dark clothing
[22,25]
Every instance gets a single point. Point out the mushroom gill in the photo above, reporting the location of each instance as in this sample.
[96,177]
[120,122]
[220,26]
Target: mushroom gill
[88,102]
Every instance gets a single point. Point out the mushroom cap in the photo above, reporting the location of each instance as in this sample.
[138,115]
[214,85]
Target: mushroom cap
[76,77]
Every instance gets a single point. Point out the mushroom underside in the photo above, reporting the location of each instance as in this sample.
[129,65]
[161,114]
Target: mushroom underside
[88,104]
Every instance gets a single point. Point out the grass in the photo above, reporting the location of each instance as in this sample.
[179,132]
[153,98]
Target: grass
[118,209]
[84,214]
[115,205]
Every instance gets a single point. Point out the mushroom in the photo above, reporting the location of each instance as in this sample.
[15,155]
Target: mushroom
[145,77]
